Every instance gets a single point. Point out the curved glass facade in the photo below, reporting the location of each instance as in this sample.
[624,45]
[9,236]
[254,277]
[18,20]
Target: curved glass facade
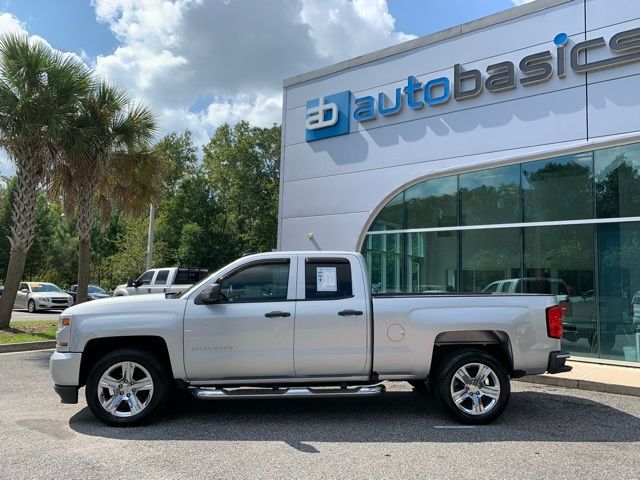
[568,226]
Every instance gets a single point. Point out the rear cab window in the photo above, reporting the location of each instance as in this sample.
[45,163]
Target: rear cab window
[161,277]
[327,278]
[190,276]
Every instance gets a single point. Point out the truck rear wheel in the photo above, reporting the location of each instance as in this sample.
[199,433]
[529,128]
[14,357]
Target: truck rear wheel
[126,387]
[473,387]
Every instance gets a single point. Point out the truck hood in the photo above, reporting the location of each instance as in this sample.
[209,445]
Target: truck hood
[133,304]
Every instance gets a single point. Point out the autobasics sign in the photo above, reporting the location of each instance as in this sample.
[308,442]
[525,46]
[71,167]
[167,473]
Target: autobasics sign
[329,116]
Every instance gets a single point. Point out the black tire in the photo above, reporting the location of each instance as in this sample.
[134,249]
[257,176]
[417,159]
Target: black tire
[161,386]
[31,307]
[445,376]
[419,386]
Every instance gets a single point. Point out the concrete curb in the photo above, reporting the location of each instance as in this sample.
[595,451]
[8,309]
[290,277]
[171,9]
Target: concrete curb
[581,384]
[26,346]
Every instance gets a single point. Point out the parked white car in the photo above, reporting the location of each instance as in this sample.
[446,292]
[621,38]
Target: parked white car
[35,296]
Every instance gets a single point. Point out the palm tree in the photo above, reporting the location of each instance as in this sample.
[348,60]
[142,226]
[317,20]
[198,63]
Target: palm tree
[40,94]
[107,162]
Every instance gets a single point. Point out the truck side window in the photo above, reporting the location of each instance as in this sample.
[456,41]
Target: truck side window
[327,278]
[262,282]
[145,278]
[161,277]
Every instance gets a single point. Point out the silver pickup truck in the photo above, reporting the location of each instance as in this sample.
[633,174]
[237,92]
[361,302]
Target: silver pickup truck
[302,324]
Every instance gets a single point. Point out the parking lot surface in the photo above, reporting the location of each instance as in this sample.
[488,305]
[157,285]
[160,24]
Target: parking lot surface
[547,432]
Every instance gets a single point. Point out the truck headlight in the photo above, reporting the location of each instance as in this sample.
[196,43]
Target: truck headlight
[63,335]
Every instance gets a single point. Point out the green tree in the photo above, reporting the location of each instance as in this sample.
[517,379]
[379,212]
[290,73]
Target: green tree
[100,166]
[180,153]
[242,163]
[39,95]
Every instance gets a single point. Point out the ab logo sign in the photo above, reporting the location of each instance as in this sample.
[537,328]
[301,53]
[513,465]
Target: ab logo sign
[329,116]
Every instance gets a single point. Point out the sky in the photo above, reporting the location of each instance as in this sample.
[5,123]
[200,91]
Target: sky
[200,63]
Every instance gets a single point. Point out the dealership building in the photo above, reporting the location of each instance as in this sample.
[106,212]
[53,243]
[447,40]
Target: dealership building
[502,155]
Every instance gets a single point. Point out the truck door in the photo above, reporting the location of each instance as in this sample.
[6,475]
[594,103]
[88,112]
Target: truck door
[160,281]
[250,333]
[331,336]
[144,283]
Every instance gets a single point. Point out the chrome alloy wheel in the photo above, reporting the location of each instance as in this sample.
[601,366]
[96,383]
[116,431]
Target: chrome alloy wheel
[475,389]
[125,389]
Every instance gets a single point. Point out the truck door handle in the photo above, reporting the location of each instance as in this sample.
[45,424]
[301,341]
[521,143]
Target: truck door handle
[277,313]
[349,313]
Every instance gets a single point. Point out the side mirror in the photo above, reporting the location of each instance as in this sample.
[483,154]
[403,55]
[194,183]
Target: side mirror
[25,290]
[209,295]
[129,283]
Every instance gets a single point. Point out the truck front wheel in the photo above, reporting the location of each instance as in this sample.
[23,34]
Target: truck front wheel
[126,387]
[473,387]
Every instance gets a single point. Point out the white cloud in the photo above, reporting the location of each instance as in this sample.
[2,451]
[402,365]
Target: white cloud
[9,23]
[235,53]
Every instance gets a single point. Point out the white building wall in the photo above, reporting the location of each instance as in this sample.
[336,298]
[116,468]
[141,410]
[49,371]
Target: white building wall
[331,188]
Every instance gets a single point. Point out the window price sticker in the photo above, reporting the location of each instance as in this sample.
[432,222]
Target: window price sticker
[326,279]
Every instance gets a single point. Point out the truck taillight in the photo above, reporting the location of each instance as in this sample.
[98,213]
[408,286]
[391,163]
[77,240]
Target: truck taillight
[554,322]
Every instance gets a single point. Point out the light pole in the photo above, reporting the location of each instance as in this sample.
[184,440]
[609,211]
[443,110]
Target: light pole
[152,220]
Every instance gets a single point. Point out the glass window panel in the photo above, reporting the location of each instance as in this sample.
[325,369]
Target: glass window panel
[314,270]
[431,262]
[619,291]
[257,283]
[490,256]
[558,189]
[433,203]
[618,181]
[391,217]
[490,196]
[560,260]
[384,261]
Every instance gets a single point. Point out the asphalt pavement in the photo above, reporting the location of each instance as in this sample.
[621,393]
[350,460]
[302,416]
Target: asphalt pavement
[547,432]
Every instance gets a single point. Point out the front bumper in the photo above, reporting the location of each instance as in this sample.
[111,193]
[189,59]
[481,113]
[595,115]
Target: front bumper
[64,368]
[68,394]
[52,306]
[557,362]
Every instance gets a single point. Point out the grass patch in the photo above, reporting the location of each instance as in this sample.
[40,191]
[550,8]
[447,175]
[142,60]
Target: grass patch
[21,332]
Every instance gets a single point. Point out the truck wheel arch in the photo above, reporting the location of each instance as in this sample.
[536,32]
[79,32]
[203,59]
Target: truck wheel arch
[98,347]
[494,342]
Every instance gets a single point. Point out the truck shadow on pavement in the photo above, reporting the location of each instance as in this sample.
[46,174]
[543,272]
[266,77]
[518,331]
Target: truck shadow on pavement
[396,417]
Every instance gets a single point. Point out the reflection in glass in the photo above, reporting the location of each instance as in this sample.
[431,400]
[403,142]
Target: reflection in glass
[391,217]
[619,290]
[384,262]
[433,203]
[602,316]
[565,255]
[558,189]
[431,262]
[490,196]
[490,256]
[618,181]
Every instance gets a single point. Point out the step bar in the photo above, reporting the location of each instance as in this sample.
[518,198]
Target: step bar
[290,392]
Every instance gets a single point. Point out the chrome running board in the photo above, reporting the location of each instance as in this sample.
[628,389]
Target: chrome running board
[290,392]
